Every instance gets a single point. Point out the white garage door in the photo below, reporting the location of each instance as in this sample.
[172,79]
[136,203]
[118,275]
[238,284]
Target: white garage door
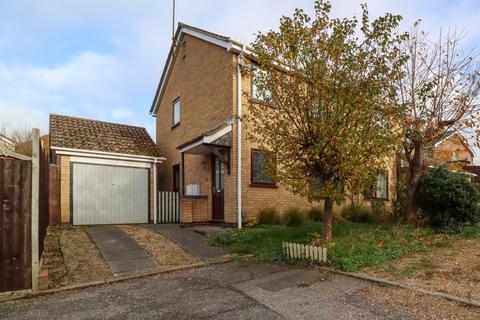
[104,194]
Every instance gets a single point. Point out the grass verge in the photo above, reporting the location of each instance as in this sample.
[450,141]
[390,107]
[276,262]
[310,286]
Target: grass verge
[355,245]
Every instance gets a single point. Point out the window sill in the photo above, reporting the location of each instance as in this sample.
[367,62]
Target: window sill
[263,185]
[260,101]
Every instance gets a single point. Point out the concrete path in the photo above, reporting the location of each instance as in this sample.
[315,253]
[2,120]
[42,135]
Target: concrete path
[191,241]
[122,253]
[311,294]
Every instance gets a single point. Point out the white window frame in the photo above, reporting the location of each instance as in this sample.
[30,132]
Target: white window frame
[255,94]
[176,111]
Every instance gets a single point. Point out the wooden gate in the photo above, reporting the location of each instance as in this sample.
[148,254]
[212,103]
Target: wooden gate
[168,207]
[15,224]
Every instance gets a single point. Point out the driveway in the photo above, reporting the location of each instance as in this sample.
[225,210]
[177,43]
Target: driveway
[237,290]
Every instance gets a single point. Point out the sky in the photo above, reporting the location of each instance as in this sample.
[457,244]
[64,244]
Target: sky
[102,59]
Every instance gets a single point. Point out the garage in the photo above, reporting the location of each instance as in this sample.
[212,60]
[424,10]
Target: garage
[103,194]
[102,172]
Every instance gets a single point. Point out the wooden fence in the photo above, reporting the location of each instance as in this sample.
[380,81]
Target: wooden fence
[304,251]
[23,216]
[168,207]
[15,224]
[43,198]
[54,194]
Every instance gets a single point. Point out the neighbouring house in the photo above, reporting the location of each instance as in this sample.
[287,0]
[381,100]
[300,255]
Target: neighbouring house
[106,171]
[202,92]
[451,148]
[6,144]
[8,151]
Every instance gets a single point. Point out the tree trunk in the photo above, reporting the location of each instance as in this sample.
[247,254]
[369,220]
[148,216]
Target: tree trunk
[415,173]
[327,219]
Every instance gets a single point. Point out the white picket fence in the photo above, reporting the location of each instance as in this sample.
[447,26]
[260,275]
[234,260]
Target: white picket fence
[304,251]
[168,207]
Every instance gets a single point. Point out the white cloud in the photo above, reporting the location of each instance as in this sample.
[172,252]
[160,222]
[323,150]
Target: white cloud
[20,116]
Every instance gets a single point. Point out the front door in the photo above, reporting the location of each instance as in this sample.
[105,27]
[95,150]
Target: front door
[218,170]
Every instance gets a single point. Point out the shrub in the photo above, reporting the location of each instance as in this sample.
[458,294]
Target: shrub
[293,218]
[471,232]
[358,213]
[315,214]
[269,216]
[251,222]
[448,199]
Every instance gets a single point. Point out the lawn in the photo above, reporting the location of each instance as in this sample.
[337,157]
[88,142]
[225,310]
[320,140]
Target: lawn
[355,245]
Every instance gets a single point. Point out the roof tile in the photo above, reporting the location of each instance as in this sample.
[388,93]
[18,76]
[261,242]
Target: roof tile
[86,134]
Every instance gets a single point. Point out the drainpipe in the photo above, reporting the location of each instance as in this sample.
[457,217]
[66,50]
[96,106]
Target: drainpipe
[155,191]
[239,140]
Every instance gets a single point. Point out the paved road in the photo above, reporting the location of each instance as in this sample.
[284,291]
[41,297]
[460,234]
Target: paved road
[237,290]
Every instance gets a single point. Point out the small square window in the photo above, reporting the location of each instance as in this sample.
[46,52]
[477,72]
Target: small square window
[176,113]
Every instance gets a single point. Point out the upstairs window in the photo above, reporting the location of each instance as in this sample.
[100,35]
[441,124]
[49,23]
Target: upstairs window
[380,190]
[258,166]
[176,112]
[257,92]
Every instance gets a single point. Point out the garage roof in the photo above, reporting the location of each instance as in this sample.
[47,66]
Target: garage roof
[86,134]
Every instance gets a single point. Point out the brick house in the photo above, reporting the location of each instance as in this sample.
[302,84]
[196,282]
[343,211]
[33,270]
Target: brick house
[451,148]
[218,172]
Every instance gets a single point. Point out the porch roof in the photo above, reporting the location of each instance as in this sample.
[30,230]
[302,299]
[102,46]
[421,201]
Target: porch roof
[220,136]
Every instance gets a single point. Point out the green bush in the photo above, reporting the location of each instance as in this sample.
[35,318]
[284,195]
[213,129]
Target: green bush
[269,216]
[358,213]
[471,232]
[449,199]
[293,217]
[315,214]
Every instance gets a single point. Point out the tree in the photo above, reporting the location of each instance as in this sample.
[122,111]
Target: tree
[16,134]
[440,92]
[329,102]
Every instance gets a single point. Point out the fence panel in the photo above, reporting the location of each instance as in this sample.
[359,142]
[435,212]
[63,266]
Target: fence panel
[43,198]
[15,224]
[168,207]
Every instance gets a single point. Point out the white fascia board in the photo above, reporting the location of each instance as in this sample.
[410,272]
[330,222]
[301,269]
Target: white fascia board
[222,43]
[192,145]
[230,45]
[218,134]
[443,139]
[106,155]
[111,162]
[12,154]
